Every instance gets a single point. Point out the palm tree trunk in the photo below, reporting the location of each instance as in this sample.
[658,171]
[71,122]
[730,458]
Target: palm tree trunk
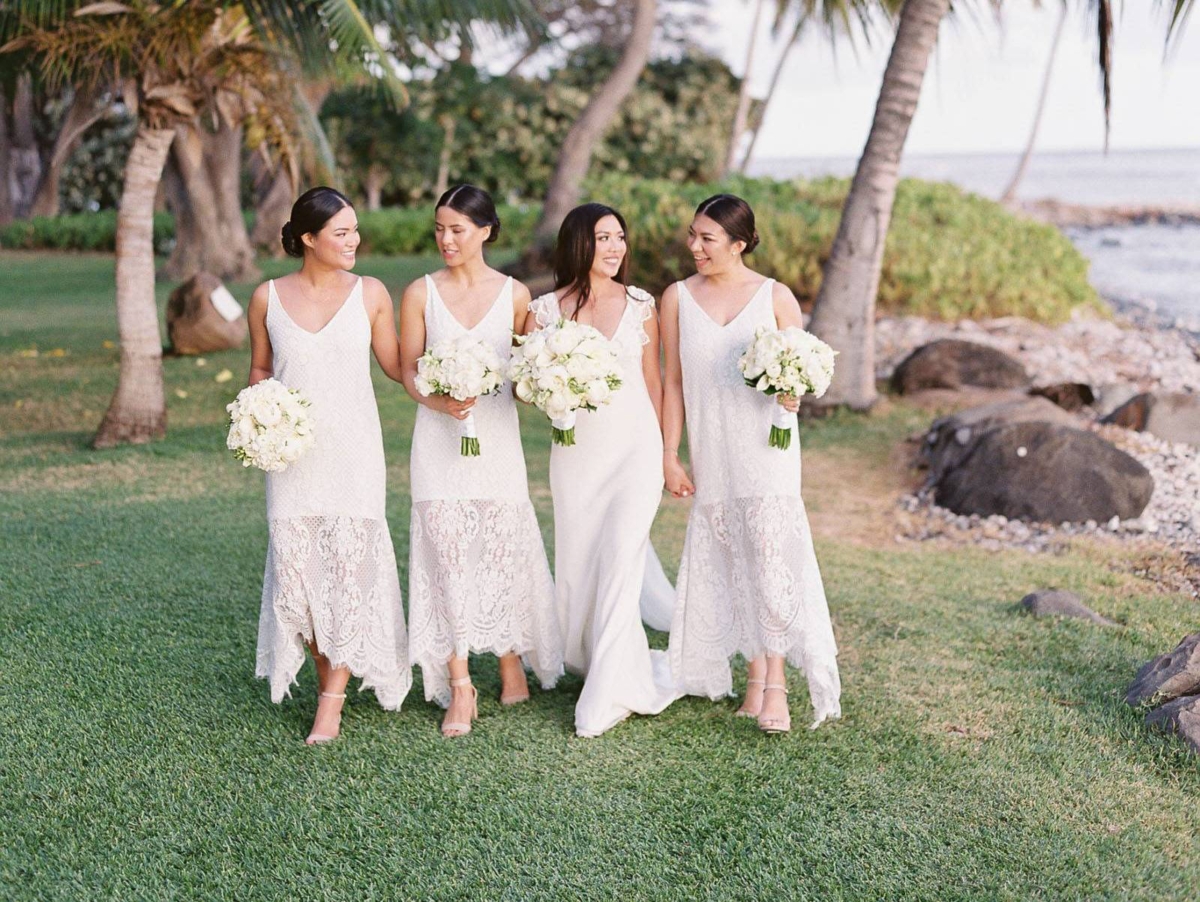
[762,115]
[82,114]
[743,106]
[138,411]
[1010,193]
[576,154]
[376,178]
[6,204]
[205,195]
[25,162]
[844,314]
[442,181]
[274,195]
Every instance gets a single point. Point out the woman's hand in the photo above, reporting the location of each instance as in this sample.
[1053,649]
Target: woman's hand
[678,482]
[447,404]
[790,403]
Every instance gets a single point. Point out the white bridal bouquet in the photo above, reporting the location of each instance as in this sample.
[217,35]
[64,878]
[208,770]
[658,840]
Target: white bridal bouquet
[269,426]
[786,361]
[563,368]
[461,368]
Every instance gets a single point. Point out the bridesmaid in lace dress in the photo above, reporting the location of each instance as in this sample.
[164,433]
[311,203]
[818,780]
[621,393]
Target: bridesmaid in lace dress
[748,582]
[331,580]
[478,576]
[608,485]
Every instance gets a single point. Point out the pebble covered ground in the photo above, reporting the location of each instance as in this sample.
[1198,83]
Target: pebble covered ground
[1118,358]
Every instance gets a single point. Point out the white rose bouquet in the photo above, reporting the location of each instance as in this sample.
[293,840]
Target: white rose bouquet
[786,361]
[461,368]
[269,426]
[563,368]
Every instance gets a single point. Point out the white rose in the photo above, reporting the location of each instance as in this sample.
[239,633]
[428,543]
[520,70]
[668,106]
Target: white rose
[598,392]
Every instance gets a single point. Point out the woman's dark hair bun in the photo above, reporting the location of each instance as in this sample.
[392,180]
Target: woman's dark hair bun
[475,204]
[734,215]
[310,212]
[291,246]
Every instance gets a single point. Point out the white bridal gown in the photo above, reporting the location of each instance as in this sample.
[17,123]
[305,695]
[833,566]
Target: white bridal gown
[478,576]
[748,582]
[607,488]
[331,570]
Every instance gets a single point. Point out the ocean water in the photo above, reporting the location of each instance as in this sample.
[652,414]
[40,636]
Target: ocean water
[1155,266]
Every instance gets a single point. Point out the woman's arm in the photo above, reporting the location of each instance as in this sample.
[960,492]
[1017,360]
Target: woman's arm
[412,346]
[384,341]
[678,483]
[261,360]
[521,312]
[652,366]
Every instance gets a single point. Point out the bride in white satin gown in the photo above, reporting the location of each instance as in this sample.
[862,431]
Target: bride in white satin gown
[608,485]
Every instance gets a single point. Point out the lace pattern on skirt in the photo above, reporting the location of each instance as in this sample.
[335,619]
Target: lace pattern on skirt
[333,580]
[749,584]
[479,582]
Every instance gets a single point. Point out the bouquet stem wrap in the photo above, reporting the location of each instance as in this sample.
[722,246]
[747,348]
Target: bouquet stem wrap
[469,447]
[782,423]
[563,432]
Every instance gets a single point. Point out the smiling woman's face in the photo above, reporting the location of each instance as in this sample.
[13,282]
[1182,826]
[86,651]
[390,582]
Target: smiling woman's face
[712,249]
[610,247]
[336,245]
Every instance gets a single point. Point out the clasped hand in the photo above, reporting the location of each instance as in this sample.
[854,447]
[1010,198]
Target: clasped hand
[457,409]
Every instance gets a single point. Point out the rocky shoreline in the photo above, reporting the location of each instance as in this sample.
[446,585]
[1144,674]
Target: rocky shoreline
[1118,358]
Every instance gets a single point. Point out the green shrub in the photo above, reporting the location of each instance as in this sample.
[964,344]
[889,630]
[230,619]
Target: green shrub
[79,232]
[949,254]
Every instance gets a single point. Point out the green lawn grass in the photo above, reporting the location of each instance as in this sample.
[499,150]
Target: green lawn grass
[983,754]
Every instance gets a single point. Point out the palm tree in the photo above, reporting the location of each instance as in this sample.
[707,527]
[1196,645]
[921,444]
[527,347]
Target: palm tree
[835,17]
[1010,193]
[575,156]
[173,61]
[742,111]
[844,313]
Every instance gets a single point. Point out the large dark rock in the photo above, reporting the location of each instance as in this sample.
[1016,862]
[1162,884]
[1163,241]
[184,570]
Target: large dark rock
[1182,717]
[1173,416]
[951,438]
[952,363]
[1048,473]
[196,325]
[1070,396]
[1168,676]
[1060,603]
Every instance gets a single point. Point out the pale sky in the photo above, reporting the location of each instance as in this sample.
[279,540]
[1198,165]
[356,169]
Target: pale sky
[981,86]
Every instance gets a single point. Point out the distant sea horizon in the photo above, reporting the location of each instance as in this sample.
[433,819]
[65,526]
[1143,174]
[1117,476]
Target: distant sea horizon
[1152,266]
[1120,177]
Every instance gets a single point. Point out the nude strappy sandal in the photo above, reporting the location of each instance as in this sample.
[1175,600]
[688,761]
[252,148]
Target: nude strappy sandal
[773,725]
[319,738]
[742,712]
[453,730]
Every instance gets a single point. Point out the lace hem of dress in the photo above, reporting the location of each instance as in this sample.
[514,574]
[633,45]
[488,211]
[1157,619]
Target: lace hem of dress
[749,584]
[333,580]
[479,582]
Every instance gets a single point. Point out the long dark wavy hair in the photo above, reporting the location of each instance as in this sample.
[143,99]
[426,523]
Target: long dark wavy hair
[576,249]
